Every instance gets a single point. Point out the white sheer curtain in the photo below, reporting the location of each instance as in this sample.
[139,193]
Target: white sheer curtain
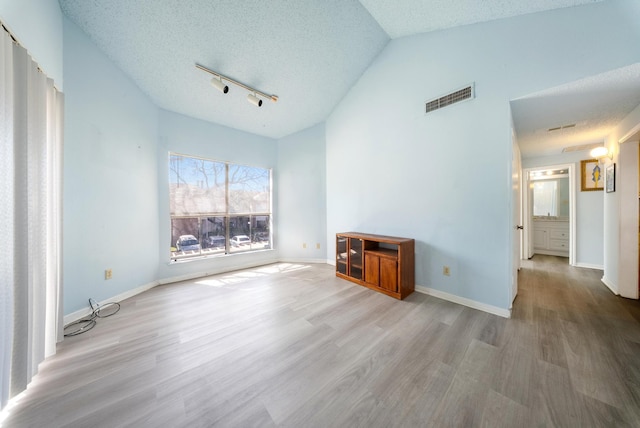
[31,126]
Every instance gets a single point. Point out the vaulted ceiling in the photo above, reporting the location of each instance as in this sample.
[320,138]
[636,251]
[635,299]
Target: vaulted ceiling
[310,53]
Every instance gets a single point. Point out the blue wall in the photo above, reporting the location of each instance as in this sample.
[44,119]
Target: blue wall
[110,177]
[302,195]
[116,179]
[444,178]
[185,135]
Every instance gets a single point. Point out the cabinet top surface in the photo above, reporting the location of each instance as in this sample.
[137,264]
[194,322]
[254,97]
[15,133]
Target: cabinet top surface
[372,237]
[550,220]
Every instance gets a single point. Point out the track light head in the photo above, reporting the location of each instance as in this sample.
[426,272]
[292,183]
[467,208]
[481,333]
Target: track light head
[254,100]
[217,83]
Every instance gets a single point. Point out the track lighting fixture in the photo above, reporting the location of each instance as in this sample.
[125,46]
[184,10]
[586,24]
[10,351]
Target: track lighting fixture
[217,83]
[253,96]
[254,100]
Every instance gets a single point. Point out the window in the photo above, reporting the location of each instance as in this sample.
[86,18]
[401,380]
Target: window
[217,207]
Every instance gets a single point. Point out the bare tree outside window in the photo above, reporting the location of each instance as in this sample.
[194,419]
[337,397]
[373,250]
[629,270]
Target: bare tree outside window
[248,189]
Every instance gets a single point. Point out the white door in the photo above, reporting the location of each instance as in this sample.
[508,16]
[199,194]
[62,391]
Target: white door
[516,221]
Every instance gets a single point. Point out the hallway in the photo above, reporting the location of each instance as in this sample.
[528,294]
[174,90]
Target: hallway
[589,337]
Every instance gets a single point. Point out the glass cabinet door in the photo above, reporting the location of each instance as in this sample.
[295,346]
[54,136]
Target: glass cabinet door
[355,259]
[341,255]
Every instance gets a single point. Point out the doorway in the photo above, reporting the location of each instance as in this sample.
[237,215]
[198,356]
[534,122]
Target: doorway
[549,211]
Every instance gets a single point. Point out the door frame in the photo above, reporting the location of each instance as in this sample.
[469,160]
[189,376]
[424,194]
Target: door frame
[527,241]
[516,219]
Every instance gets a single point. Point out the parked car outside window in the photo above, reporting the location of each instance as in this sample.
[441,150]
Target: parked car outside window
[240,240]
[187,243]
[216,242]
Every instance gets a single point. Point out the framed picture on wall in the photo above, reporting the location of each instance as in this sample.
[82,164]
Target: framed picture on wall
[591,175]
[611,178]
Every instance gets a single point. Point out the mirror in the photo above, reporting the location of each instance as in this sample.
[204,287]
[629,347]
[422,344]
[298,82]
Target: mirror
[551,197]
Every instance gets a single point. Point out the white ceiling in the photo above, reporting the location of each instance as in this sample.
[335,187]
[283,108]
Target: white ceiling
[405,17]
[595,105]
[311,52]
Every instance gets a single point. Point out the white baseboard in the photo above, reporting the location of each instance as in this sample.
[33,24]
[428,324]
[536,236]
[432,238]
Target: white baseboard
[505,313]
[610,285]
[226,269]
[314,261]
[75,316]
[589,266]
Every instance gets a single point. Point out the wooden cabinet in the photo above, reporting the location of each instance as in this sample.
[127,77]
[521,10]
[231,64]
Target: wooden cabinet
[382,263]
[551,237]
[381,269]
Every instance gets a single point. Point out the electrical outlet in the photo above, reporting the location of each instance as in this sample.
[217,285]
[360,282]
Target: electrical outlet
[108,274]
[446,271]
[318,246]
[304,245]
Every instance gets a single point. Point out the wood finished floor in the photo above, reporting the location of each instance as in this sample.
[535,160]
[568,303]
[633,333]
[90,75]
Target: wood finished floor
[290,345]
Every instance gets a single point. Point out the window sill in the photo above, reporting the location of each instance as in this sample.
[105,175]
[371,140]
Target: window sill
[215,256]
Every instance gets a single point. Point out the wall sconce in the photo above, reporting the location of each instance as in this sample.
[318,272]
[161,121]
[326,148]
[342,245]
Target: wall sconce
[217,79]
[600,153]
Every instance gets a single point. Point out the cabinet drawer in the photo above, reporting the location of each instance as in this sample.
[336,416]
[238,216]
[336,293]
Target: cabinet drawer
[559,244]
[559,234]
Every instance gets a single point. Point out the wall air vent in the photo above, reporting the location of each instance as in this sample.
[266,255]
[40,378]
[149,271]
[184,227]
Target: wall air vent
[463,94]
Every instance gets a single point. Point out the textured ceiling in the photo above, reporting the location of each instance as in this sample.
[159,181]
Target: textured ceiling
[405,17]
[595,105]
[308,52]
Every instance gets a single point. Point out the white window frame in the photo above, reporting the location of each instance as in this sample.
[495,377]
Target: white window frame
[258,240]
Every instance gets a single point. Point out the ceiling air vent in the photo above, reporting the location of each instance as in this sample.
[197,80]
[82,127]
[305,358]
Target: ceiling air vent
[463,94]
[580,148]
[558,128]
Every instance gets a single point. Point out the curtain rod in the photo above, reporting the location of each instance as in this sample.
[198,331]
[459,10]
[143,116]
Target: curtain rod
[4,27]
[15,40]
